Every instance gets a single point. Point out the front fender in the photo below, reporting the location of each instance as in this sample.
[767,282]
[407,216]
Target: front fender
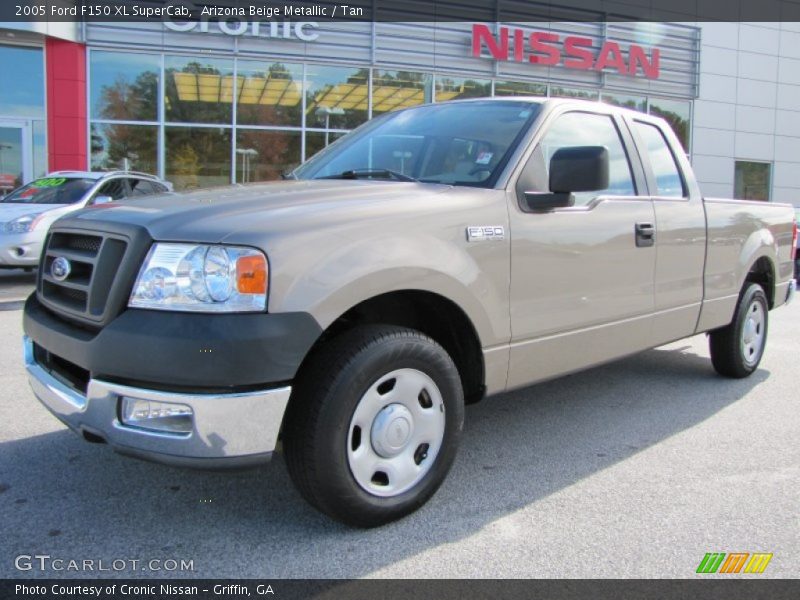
[475,277]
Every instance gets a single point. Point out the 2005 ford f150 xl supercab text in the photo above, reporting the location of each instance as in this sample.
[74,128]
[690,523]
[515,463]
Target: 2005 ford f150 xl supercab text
[434,256]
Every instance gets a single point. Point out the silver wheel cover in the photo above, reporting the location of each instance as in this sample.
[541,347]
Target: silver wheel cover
[396,432]
[753,333]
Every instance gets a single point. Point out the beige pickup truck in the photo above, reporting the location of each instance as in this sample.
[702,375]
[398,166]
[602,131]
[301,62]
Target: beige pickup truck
[433,257]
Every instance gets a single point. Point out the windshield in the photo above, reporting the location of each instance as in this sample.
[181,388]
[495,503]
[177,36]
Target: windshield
[457,144]
[50,190]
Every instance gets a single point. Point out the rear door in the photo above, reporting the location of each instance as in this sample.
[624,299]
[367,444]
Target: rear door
[581,285]
[680,233]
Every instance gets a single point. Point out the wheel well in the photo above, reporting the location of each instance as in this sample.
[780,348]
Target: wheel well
[435,316]
[763,274]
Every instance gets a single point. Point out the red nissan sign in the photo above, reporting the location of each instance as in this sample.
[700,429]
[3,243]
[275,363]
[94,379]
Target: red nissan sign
[572,52]
[7,180]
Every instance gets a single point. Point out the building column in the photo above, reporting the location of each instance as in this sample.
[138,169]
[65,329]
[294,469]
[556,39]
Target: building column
[65,67]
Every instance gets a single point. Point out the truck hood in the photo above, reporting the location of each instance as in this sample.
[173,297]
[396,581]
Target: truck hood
[212,215]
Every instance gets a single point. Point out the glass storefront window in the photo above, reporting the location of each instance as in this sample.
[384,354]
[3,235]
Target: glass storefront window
[11,158]
[626,101]
[336,97]
[677,113]
[269,94]
[557,91]
[39,149]
[454,88]
[317,140]
[127,147]
[519,88]
[23,82]
[124,86]
[198,89]
[751,180]
[197,157]
[393,90]
[264,155]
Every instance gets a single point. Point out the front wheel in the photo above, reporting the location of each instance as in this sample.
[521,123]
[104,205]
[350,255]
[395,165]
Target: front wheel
[374,424]
[736,349]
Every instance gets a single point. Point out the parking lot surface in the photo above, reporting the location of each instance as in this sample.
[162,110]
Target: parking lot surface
[15,285]
[633,469]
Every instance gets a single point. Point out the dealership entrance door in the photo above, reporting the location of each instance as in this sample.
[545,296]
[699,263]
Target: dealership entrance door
[15,154]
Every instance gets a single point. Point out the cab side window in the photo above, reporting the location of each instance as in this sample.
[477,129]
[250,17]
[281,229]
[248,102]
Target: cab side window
[114,188]
[581,129]
[665,170]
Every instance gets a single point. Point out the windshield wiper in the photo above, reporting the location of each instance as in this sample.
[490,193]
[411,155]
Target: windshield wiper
[367,173]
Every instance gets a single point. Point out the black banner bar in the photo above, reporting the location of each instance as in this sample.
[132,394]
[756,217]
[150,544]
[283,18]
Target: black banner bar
[84,11]
[399,589]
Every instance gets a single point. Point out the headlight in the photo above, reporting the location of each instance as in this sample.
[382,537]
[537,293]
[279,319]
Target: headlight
[202,278]
[23,224]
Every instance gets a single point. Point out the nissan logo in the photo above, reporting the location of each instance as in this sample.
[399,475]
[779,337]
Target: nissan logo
[60,269]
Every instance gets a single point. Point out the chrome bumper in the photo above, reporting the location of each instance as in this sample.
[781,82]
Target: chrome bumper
[229,430]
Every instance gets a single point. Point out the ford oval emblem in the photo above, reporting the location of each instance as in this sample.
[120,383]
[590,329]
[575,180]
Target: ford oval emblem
[60,269]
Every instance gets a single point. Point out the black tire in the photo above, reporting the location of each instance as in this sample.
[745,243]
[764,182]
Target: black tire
[730,356]
[327,392]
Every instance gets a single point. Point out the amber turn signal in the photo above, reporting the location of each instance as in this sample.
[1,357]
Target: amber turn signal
[251,275]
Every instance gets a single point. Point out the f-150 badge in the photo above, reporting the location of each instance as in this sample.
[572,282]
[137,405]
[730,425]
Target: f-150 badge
[486,233]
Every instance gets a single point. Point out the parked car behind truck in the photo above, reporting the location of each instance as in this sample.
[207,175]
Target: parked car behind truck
[435,256]
[27,212]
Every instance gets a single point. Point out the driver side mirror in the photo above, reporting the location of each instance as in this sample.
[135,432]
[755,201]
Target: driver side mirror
[579,169]
[102,200]
[572,169]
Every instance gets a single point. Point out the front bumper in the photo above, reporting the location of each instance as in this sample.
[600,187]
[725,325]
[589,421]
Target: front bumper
[176,351]
[21,249]
[228,430]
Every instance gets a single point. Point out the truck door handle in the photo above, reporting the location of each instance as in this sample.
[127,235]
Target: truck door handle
[645,235]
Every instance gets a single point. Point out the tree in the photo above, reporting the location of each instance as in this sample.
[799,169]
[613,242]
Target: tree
[185,167]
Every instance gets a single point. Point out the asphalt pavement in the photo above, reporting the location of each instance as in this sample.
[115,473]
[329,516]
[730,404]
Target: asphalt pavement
[15,286]
[634,469]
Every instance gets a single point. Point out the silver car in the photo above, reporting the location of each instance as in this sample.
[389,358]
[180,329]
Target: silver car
[27,213]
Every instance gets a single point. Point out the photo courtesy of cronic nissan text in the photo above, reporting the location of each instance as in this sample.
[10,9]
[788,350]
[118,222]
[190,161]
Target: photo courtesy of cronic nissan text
[377,299]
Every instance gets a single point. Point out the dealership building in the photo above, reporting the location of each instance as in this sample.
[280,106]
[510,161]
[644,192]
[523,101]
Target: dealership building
[208,103]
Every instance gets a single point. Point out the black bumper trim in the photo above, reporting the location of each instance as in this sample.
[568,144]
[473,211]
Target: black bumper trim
[169,349]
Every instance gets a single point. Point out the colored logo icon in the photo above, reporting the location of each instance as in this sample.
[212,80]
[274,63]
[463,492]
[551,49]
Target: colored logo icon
[734,562]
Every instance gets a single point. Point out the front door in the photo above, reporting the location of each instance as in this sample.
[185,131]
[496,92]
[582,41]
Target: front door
[15,155]
[582,279]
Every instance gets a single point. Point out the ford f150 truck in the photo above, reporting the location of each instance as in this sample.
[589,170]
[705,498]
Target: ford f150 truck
[432,257]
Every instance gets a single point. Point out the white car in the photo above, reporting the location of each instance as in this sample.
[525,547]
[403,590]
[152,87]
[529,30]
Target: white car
[27,213]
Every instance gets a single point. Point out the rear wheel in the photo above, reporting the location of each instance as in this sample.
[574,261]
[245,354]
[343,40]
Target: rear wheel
[736,349]
[374,424]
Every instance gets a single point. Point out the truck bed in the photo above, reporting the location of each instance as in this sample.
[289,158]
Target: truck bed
[741,232]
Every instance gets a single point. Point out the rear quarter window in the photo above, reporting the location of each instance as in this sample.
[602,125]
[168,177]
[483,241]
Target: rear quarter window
[669,183]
